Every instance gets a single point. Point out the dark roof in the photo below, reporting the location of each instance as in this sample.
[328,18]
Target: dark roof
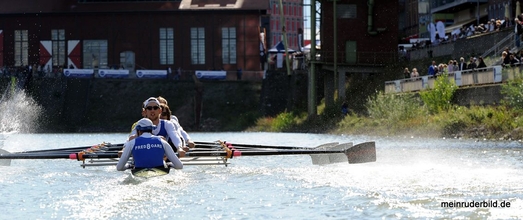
[68,6]
[224,4]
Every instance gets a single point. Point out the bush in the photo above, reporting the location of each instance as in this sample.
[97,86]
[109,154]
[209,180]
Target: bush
[283,121]
[439,98]
[513,92]
[394,107]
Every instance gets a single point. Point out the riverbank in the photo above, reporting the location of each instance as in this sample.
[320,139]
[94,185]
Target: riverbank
[431,113]
[477,123]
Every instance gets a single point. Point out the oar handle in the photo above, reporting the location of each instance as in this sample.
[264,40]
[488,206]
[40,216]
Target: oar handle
[83,156]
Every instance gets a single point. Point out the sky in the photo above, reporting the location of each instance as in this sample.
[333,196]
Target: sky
[307,19]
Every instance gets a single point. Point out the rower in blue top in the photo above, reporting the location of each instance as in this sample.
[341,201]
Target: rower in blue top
[148,151]
[152,110]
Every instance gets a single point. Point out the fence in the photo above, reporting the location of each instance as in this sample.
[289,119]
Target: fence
[488,75]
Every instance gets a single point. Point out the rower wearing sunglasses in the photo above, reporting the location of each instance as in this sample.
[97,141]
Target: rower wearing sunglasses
[152,110]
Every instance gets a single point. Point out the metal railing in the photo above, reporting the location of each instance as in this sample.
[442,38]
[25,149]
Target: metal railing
[488,75]
[360,58]
[500,46]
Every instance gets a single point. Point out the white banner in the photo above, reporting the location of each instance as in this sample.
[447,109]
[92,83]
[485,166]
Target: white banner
[113,73]
[215,75]
[151,73]
[79,73]
[497,74]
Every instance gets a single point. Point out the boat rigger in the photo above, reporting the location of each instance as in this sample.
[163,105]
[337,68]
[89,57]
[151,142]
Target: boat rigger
[206,153]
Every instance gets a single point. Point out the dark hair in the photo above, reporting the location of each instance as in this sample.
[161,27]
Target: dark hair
[166,111]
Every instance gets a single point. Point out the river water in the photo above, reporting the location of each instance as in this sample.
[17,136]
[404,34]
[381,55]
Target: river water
[411,179]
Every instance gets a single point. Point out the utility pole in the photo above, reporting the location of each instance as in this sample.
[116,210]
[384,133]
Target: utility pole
[311,107]
[284,32]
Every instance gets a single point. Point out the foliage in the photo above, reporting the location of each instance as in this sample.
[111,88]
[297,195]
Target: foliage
[394,107]
[513,93]
[439,98]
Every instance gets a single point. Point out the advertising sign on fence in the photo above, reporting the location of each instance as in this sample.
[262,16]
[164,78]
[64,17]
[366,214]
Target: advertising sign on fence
[113,73]
[79,73]
[151,73]
[212,75]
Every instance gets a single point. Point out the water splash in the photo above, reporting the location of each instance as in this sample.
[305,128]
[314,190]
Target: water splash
[19,113]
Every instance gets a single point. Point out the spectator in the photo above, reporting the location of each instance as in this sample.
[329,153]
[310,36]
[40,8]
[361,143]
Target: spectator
[178,73]
[239,74]
[344,109]
[169,72]
[472,64]
[414,73]
[450,67]
[462,64]
[505,59]
[513,60]
[406,73]
[432,69]
[456,67]
[481,63]
[518,29]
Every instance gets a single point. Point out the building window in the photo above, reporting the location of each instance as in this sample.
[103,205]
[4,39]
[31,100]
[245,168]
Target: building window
[21,48]
[229,45]
[58,39]
[346,11]
[166,46]
[197,45]
[95,54]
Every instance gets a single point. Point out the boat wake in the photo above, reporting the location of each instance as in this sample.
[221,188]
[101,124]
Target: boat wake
[19,113]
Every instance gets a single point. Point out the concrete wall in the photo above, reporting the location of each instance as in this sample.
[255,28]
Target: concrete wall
[112,105]
[473,46]
[478,95]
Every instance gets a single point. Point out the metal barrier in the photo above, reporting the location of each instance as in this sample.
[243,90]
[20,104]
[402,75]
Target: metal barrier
[481,76]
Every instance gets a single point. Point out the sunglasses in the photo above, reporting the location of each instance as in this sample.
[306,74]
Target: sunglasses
[152,107]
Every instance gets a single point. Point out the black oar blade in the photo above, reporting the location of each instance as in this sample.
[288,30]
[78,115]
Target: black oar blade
[4,162]
[362,153]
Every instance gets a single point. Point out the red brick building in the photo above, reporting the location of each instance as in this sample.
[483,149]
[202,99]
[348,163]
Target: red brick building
[190,34]
[358,38]
[366,30]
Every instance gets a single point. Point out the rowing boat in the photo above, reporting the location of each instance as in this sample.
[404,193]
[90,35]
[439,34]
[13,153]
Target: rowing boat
[205,153]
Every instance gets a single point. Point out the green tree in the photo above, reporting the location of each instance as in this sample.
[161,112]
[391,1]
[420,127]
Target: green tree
[513,93]
[439,98]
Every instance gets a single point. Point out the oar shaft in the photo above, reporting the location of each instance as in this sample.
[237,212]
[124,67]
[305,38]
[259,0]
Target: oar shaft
[63,155]
[236,153]
[34,156]
[235,145]
[75,149]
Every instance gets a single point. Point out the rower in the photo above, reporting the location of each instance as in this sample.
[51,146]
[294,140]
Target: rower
[179,129]
[164,128]
[147,150]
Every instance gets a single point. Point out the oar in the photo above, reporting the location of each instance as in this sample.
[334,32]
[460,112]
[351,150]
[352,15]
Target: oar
[62,155]
[104,146]
[246,146]
[360,153]
[5,162]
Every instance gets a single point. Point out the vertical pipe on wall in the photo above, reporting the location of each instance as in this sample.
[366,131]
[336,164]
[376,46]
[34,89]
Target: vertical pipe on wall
[335,46]
[311,92]
[284,33]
